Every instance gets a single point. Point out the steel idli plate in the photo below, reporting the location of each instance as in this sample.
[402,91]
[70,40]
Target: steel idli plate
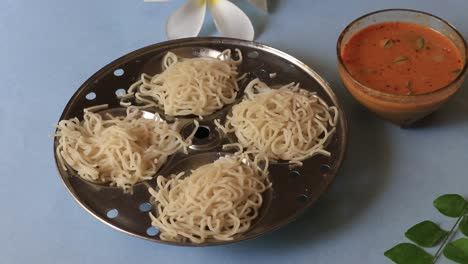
[294,189]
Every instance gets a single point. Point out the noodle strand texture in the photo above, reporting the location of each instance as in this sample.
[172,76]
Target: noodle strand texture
[287,123]
[215,201]
[119,150]
[189,86]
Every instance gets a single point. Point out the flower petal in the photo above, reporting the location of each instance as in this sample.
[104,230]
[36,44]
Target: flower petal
[230,20]
[186,21]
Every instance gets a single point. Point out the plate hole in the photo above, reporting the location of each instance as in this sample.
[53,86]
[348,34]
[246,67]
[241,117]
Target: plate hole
[202,132]
[120,91]
[119,72]
[91,96]
[253,54]
[145,207]
[325,168]
[112,213]
[302,198]
[294,174]
[152,231]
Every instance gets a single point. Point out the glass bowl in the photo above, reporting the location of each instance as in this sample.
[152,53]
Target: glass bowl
[402,110]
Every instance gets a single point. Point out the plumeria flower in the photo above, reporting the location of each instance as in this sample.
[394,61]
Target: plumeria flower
[229,19]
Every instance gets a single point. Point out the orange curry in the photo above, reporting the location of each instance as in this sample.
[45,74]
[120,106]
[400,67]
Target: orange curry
[402,58]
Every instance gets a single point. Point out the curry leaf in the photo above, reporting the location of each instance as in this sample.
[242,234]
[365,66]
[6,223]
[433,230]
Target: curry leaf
[400,59]
[464,225]
[388,43]
[457,251]
[451,205]
[426,234]
[406,253]
[420,43]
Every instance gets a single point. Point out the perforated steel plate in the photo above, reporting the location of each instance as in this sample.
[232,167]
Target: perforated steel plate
[294,189]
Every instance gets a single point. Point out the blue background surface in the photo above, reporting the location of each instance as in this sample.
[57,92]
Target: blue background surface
[387,183]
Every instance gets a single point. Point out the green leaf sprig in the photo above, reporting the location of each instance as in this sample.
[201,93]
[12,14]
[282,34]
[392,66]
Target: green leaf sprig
[426,234]
[429,234]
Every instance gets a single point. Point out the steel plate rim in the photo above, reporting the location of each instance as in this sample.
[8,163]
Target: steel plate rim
[342,120]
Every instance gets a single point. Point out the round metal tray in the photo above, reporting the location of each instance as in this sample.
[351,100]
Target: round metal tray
[294,189]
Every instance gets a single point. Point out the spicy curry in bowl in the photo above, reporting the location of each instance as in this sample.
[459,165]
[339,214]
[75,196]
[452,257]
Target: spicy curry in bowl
[401,64]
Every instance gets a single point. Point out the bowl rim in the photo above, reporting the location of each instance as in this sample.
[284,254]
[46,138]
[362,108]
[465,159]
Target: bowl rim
[441,90]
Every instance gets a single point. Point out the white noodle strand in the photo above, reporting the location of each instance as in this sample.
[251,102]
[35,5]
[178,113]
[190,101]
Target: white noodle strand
[288,123]
[189,86]
[216,201]
[120,151]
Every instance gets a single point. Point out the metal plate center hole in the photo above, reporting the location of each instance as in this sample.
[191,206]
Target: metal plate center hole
[202,132]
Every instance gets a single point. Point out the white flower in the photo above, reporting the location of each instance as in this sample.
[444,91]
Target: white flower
[229,19]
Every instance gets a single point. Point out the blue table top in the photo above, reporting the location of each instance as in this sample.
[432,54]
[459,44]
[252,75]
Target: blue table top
[387,183]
